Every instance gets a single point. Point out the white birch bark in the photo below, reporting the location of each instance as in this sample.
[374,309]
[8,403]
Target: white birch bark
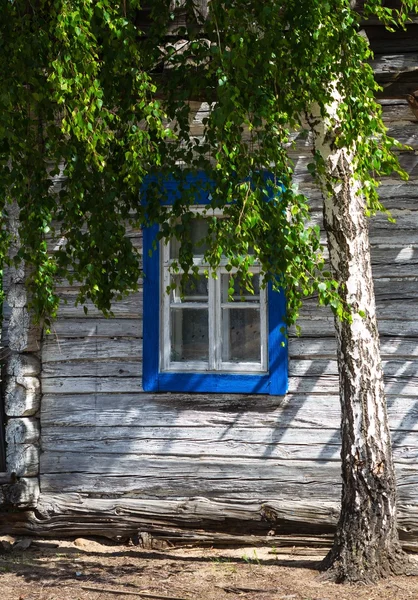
[366,545]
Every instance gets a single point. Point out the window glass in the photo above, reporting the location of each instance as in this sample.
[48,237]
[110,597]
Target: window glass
[240,293]
[199,230]
[195,289]
[241,341]
[189,335]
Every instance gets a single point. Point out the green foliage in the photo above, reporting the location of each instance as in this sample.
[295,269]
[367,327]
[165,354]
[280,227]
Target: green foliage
[83,97]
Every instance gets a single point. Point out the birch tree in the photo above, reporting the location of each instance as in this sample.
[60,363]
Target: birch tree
[99,94]
[366,544]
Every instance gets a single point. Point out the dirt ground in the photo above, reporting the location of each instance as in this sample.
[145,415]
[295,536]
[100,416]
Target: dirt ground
[91,570]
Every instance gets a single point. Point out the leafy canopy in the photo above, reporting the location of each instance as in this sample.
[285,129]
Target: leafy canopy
[98,94]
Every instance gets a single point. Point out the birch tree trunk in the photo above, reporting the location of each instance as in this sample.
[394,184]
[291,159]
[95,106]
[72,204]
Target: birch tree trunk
[366,545]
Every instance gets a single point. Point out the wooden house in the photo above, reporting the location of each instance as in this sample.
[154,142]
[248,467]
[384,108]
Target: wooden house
[91,448]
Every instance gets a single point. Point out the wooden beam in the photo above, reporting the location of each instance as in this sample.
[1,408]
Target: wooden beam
[390,67]
[190,521]
[6,478]
[398,90]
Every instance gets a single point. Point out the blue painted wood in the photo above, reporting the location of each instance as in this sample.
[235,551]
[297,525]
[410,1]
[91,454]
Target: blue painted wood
[277,341]
[275,382]
[151,311]
[232,383]
[171,190]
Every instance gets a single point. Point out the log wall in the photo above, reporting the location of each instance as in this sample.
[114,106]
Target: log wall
[115,460]
[20,386]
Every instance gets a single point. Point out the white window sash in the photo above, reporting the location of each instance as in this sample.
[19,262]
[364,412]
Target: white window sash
[217,330]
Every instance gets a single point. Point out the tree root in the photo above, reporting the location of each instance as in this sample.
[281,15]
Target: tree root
[341,566]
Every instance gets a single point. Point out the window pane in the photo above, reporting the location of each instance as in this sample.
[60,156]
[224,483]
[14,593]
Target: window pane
[195,289]
[189,335]
[241,335]
[199,231]
[240,293]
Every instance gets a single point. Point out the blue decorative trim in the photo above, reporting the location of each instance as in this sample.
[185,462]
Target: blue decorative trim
[170,188]
[151,310]
[277,341]
[275,382]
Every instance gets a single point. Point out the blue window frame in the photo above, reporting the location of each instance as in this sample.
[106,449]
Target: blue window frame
[273,380]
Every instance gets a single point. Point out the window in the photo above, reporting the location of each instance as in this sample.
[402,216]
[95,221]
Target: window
[205,338]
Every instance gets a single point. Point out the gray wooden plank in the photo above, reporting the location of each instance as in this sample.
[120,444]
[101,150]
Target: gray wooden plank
[109,439]
[324,327]
[405,218]
[328,384]
[88,368]
[192,449]
[397,269]
[96,327]
[300,347]
[395,193]
[387,238]
[129,307]
[188,410]
[398,290]
[388,67]
[211,467]
[192,410]
[396,110]
[387,308]
[390,257]
[320,367]
[57,350]
[281,443]
[91,385]
[405,132]
[165,478]
[179,476]
[303,156]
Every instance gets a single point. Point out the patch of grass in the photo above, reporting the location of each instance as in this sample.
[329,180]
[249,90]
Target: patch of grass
[4,569]
[223,561]
[252,560]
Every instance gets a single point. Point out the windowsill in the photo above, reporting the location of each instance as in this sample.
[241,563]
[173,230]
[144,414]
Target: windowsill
[218,382]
